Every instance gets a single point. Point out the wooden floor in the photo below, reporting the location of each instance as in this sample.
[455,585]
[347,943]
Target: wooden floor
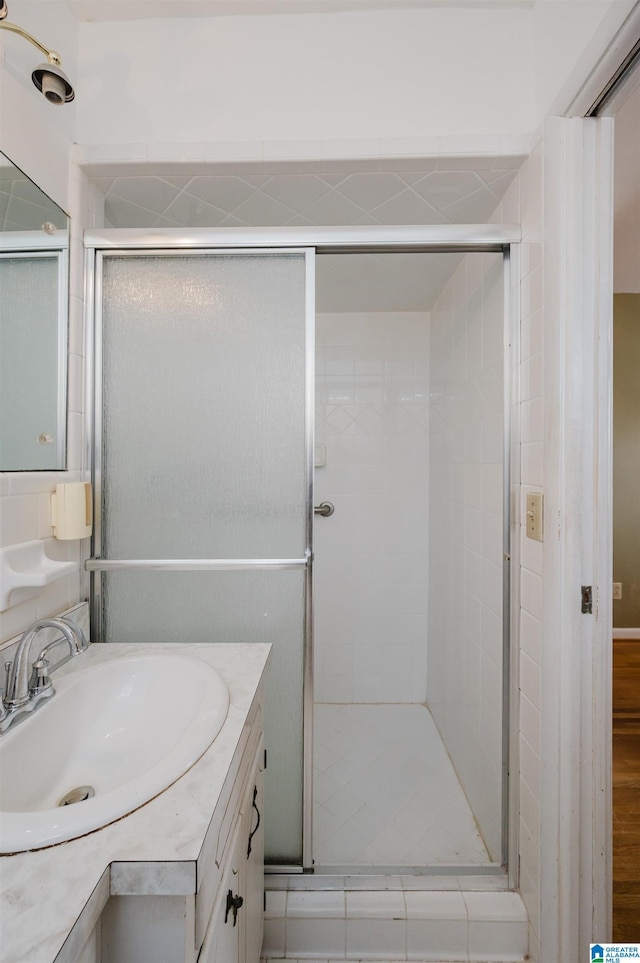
[626,790]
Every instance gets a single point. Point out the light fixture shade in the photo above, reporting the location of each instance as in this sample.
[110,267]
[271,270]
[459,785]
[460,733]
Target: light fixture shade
[53,83]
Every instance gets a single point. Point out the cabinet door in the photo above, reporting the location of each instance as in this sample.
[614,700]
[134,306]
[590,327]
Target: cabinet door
[253,830]
[225,935]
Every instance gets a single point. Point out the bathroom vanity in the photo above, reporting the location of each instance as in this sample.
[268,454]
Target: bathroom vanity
[181,878]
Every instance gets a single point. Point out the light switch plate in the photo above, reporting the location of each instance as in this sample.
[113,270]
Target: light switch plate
[534,515]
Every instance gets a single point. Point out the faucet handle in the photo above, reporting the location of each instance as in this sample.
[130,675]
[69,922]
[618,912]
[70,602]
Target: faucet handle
[7,676]
[40,678]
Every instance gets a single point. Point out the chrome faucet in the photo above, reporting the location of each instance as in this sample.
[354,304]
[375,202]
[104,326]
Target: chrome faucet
[29,685]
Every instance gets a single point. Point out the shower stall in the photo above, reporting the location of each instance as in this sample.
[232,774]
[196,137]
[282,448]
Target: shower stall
[214,354]
[409,568]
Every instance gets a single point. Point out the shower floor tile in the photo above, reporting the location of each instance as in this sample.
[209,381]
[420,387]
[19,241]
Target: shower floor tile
[385,791]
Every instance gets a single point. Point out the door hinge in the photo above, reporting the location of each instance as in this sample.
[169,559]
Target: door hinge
[587,600]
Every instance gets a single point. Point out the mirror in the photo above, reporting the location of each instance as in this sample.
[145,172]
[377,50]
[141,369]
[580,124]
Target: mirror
[34,247]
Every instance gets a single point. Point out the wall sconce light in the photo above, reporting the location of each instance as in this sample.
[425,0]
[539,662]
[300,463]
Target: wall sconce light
[48,78]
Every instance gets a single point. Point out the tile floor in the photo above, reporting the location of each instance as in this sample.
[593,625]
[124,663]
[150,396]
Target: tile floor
[385,791]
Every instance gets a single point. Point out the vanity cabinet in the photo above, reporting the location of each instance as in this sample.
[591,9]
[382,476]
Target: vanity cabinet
[234,934]
[223,940]
[222,921]
[254,864]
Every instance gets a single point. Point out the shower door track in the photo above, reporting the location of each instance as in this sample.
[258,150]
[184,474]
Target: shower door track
[447,238]
[372,239]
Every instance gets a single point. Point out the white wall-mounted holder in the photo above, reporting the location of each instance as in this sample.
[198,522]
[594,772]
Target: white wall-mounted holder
[72,511]
[26,569]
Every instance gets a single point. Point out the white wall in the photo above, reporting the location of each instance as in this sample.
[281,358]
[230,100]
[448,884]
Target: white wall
[561,31]
[35,134]
[626,238]
[371,556]
[386,78]
[370,75]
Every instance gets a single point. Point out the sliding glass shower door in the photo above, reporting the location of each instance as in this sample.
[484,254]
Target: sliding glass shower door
[203,440]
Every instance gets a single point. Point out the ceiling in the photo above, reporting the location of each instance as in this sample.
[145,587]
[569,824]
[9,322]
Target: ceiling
[97,10]
[399,282]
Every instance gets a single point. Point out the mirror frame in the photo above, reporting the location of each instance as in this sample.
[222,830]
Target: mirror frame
[34,244]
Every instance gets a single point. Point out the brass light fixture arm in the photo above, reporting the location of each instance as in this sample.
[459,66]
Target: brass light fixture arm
[52,55]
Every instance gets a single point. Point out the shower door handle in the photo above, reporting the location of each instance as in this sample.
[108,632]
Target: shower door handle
[324,508]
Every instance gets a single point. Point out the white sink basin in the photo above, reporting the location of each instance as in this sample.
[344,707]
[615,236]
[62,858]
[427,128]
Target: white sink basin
[128,728]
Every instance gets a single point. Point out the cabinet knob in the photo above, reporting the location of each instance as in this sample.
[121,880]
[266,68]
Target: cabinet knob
[233,905]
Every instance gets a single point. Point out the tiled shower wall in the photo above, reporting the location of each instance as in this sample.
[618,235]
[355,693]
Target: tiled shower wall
[465,564]
[371,555]
[524,203]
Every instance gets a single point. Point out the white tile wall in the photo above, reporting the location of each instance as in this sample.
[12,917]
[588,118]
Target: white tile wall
[523,202]
[395,193]
[371,555]
[80,615]
[395,925]
[465,562]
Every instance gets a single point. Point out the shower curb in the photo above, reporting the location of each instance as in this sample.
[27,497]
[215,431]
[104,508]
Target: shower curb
[424,926]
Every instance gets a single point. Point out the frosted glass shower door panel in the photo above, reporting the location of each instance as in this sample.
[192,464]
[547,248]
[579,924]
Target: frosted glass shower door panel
[204,455]
[233,607]
[203,431]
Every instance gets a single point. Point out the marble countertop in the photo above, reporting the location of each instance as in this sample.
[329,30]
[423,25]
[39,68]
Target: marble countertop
[46,894]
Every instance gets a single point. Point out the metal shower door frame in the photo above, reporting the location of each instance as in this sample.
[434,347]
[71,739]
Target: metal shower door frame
[463,239]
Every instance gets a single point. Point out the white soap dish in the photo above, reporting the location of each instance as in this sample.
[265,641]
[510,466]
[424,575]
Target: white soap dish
[26,569]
